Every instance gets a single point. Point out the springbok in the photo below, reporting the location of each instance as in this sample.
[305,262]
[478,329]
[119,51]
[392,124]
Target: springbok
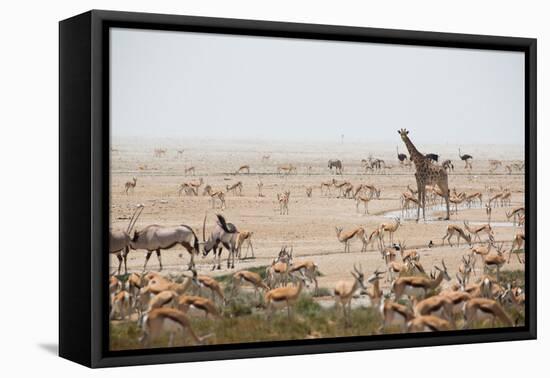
[278,272]
[286,169]
[517,244]
[472,197]
[249,277]
[374,293]
[283,296]
[466,268]
[236,188]
[494,164]
[454,230]
[515,213]
[242,169]
[485,228]
[346,237]
[428,323]
[365,201]
[156,238]
[166,319]
[189,170]
[309,270]
[325,187]
[211,284]
[196,184]
[242,237]
[390,228]
[344,291]
[283,199]
[483,309]
[130,185]
[418,287]
[159,152]
[494,261]
[119,240]
[204,304]
[437,305]
[394,314]
[121,305]
[215,194]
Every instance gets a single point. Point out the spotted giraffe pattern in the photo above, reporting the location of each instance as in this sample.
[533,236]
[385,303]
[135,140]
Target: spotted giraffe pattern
[427,173]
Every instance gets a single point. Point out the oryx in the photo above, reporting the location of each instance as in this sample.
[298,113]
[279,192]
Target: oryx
[119,240]
[223,235]
[155,237]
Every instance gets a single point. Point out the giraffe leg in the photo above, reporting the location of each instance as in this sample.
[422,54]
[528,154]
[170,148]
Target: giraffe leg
[420,189]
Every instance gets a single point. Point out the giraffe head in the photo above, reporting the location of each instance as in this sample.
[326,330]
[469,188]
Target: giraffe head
[403,133]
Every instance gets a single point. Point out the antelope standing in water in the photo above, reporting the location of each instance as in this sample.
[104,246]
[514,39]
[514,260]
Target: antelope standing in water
[130,185]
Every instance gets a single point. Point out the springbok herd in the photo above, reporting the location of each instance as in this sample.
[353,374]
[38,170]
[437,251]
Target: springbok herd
[346,230]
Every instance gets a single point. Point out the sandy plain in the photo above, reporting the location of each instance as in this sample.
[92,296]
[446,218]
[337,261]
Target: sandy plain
[310,225]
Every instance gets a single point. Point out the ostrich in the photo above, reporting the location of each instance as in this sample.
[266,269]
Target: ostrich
[466,159]
[401,157]
[434,157]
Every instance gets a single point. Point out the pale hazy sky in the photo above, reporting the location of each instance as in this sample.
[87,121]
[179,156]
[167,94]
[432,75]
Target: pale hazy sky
[179,84]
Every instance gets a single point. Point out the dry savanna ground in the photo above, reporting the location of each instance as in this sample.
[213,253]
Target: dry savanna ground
[310,224]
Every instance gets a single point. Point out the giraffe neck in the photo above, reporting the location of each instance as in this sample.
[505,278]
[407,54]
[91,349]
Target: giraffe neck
[416,156]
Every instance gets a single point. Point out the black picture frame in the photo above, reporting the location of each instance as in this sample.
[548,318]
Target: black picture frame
[84,186]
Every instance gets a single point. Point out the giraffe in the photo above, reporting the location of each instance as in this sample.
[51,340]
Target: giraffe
[427,173]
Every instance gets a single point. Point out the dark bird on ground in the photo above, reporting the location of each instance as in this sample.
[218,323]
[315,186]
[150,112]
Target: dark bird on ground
[434,157]
[400,157]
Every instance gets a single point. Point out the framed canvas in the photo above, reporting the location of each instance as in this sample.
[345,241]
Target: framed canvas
[236,188]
